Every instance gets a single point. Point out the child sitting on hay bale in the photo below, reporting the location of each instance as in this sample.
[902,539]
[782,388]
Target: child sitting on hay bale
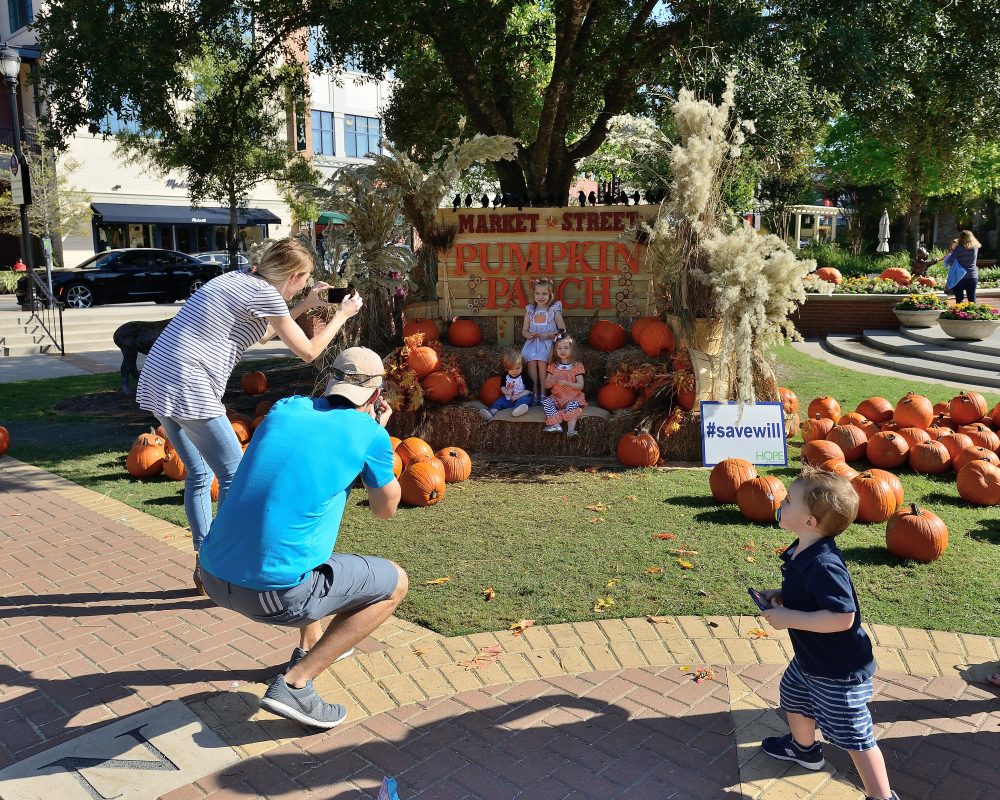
[516,388]
[564,381]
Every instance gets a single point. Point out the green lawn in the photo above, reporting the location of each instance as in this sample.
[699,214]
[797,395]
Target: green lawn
[528,534]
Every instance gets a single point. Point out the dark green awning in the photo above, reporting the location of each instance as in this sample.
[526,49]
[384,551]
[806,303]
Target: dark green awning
[332,218]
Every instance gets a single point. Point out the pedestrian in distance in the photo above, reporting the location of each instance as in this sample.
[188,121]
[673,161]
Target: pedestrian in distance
[829,680]
[189,365]
[270,554]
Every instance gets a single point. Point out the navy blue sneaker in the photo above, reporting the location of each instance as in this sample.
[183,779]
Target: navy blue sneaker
[785,748]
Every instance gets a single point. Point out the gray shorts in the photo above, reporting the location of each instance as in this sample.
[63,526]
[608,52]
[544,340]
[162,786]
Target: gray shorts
[343,583]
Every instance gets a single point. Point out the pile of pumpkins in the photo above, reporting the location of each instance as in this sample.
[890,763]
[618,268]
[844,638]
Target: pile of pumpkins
[911,532]
[423,474]
[956,436]
[425,362]
[653,336]
[895,274]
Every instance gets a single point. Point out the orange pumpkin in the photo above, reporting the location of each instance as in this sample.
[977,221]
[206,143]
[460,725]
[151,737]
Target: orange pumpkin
[981,436]
[927,280]
[916,533]
[936,431]
[150,438]
[967,407]
[789,400]
[853,418]
[262,408]
[978,482]
[929,458]
[254,382]
[995,414]
[639,326]
[638,449]
[876,498]
[893,483]
[877,409]
[394,441]
[887,450]
[412,447]
[439,387]
[830,275]
[826,407]
[914,436]
[955,443]
[816,427]
[214,490]
[173,467]
[728,476]
[457,464]
[464,333]
[838,467]
[397,464]
[427,327]
[422,484]
[4,440]
[819,450]
[256,423]
[490,391]
[434,461]
[898,275]
[944,421]
[759,498]
[243,429]
[423,361]
[849,438]
[657,339]
[614,396]
[914,411]
[606,336]
[145,459]
[974,453]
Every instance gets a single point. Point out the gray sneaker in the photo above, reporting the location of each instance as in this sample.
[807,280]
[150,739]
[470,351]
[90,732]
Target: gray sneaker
[298,654]
[486,414]
[302,705]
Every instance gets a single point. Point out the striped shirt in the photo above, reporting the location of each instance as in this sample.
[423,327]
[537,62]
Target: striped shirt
[187,369]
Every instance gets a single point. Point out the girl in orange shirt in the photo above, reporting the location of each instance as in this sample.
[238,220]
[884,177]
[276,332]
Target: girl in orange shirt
[564,380]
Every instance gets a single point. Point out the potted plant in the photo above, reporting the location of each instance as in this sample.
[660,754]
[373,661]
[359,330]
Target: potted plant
[969,321]
[919,310]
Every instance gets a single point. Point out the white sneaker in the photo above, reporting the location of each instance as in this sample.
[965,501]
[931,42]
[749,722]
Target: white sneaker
[520,410]
[553,429]
[486,414]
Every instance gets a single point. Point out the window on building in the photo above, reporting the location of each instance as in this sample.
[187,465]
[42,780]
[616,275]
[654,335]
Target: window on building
[116,124]
[322,133]
[362,135]
[352,64]
[20,13]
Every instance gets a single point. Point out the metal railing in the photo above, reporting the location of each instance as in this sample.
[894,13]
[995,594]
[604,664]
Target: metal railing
[47,311]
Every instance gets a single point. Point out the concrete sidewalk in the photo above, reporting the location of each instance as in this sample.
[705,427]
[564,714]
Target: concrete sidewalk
[116,681]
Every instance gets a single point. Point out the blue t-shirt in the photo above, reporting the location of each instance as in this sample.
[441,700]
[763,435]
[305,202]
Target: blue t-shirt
[818,580]
[282,514]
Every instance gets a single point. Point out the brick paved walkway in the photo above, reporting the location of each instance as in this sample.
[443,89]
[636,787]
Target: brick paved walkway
[588,710]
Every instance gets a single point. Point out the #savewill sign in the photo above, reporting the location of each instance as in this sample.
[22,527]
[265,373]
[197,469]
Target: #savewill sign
[755,433]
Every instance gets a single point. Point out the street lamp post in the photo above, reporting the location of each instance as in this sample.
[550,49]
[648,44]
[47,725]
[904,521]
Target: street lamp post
[10,66]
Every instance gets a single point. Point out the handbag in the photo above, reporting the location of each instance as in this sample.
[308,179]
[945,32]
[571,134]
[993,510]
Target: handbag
[955,272]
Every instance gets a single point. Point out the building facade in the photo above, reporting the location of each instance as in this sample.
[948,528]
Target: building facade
[337,122]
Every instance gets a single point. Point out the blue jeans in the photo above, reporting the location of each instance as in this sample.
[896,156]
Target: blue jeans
[966,285]
[207,447]
[502,403]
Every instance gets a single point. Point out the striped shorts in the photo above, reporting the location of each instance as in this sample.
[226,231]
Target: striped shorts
[839,707]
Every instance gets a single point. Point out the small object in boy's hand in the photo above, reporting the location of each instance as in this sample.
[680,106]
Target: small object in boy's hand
[338,295]
[762,602]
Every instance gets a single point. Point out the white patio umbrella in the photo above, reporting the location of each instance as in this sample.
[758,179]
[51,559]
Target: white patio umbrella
[883,233]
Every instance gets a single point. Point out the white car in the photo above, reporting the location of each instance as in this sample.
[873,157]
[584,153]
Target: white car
[221,257]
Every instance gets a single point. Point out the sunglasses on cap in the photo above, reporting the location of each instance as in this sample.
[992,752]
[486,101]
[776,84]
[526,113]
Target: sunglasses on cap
[354,377]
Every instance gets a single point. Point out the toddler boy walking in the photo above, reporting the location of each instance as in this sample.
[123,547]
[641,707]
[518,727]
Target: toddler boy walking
[829,681]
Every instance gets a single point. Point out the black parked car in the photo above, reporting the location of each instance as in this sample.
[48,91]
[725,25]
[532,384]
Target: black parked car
[128,276]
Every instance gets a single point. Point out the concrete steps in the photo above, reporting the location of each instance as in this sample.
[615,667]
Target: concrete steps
[926,357]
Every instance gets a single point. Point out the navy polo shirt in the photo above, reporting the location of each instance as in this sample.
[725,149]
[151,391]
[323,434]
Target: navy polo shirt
[817,580]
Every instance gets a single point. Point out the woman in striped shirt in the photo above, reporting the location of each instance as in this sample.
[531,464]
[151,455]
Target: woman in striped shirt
[186,371]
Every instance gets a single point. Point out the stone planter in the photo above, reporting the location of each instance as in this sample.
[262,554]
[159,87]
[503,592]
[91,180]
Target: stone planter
[913,318]
[971,330]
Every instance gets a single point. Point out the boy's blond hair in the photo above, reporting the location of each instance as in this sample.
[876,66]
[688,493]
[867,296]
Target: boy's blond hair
[512,357]
[967,239]
[830,498]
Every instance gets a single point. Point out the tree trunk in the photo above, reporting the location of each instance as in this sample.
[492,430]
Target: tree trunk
[233,231]
[512,180]
[917,202]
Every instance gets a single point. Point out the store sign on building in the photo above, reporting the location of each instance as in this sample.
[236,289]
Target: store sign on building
[590,254]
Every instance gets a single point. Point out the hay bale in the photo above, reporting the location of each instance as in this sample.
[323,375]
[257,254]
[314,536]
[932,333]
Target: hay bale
[685,444]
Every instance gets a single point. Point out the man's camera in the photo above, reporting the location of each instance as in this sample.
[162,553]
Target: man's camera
[338,295]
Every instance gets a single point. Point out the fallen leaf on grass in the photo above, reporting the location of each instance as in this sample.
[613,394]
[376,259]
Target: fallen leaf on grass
[488,593]
[591,470]
[703,593]
[522,626]
[684,564]
[631,497]
[758,633]
[603,603]
[664,535]
[685,551]
[485,656]
[437,582]
[654,570]
[611,584]
[750,547]
[595,520]
[612,476]
[751,559]
[597,507]
[659,620]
